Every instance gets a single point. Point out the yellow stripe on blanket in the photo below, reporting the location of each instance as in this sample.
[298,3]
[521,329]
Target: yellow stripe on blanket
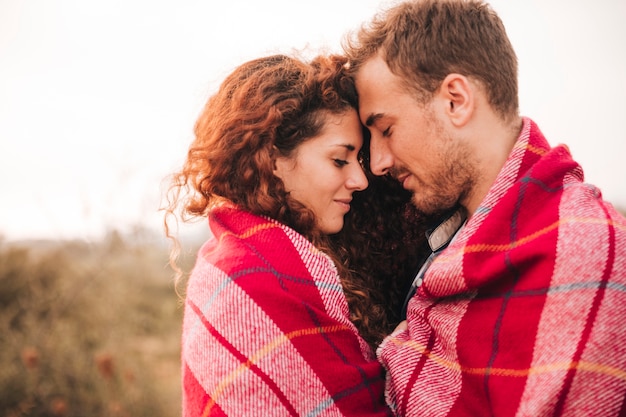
[452,254]
[269,348]
[535,370]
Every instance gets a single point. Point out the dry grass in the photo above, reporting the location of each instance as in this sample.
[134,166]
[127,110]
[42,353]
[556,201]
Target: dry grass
[88,329]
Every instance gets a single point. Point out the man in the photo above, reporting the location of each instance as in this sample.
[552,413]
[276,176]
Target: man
[523,313]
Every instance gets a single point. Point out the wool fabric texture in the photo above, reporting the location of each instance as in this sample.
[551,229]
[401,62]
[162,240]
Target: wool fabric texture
[266,330]
[524,314]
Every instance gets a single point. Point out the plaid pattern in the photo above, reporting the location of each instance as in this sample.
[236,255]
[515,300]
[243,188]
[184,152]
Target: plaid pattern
[267,331]
[524,313]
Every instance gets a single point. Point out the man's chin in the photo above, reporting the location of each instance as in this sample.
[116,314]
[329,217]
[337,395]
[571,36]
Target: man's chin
[433,208]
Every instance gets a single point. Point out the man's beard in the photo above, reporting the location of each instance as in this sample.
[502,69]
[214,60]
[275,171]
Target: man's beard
[450,186]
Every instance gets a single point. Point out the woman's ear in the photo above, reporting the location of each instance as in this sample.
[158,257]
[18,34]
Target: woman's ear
[458,93]
[273,153]
[282,165]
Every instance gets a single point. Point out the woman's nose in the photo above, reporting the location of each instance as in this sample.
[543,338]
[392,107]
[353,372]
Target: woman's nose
[357,180]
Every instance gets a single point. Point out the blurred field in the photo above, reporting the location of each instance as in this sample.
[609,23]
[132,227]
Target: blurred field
[89,329]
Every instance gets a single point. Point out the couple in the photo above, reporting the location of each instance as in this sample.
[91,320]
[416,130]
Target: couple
[291,308]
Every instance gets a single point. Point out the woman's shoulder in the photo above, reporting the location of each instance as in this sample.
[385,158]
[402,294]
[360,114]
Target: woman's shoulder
[242,238]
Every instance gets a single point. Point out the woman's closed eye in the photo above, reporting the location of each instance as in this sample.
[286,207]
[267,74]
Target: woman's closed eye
[340,162]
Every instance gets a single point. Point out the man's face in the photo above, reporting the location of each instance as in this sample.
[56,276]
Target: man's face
[412,141]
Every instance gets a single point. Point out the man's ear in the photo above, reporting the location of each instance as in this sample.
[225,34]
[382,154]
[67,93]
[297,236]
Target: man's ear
[458,93]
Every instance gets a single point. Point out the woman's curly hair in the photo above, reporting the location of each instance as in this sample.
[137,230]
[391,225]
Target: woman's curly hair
[265,109]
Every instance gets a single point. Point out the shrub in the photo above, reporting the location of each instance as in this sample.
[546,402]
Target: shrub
[88,329]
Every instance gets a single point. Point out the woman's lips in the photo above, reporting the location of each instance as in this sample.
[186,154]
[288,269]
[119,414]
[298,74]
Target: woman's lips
[344,203]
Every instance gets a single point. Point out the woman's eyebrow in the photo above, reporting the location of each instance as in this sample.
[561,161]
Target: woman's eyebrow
[348,146]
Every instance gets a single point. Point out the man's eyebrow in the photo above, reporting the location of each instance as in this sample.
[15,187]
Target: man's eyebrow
[373,118]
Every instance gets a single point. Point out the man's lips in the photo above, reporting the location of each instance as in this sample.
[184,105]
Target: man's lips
[402,178]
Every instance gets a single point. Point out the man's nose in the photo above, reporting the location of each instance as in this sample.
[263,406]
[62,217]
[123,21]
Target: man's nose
[381,159]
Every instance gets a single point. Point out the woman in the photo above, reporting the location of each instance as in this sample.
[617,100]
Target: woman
[282,312]
[274,166]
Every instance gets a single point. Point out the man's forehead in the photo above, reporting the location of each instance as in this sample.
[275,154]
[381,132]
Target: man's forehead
[371,70]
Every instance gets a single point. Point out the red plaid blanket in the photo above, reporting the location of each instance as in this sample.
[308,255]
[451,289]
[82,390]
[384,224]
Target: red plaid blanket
[267,331]
[525,313]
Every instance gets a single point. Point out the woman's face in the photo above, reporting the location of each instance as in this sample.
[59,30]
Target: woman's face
[324,171]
